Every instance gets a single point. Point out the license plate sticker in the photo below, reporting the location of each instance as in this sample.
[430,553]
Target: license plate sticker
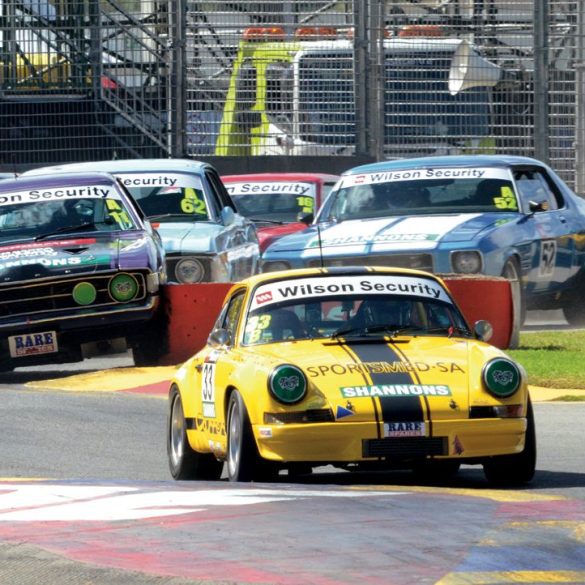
[33,344]
[404,429]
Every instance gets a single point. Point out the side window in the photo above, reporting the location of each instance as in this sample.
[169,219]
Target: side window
[326,189]
[231,315]
[223,196]
[214,196]
[533,185]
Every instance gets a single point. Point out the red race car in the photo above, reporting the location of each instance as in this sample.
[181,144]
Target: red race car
[278,203]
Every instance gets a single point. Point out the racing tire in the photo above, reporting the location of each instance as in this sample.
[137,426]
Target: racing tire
[511,272]
[515,469]
[185,462]
[243,461]
[574,313]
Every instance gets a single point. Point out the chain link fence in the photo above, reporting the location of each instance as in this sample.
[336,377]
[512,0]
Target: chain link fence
[98,79]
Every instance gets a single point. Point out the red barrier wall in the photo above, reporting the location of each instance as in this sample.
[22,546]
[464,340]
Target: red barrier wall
[489,298]
[192,309]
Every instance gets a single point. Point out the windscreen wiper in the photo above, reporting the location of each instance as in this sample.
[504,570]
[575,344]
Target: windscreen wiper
[391,330]
[163,215]
[66,230]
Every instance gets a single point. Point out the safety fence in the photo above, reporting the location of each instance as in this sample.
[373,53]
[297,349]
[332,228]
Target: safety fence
[98,79]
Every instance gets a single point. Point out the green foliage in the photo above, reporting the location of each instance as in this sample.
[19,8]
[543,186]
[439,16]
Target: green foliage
[552,359]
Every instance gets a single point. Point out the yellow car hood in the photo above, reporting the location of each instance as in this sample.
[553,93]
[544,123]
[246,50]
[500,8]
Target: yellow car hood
[408,378]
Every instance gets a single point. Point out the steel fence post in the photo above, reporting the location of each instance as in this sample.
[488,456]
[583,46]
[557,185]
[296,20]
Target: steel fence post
[177,95]
[580,102]
[361,76]
[541,81]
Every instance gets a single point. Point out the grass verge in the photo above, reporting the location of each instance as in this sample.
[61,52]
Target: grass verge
[552,359]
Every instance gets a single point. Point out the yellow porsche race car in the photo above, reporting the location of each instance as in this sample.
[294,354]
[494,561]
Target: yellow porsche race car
[360,368]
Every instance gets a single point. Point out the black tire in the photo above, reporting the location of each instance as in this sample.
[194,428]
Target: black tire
[511,271]
[243,461]
[574,313]
[436,470]
[515,469]
[184,462]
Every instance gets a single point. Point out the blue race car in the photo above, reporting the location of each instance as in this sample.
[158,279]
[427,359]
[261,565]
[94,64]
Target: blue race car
[476,214]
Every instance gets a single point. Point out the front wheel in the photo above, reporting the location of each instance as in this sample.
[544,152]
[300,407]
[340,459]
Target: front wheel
[519,468]
[511,271]
[185,462]
[243,459]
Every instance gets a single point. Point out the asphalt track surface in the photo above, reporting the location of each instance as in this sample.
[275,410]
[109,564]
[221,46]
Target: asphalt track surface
[179,533]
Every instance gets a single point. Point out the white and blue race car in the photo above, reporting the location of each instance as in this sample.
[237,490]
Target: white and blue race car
[476,214]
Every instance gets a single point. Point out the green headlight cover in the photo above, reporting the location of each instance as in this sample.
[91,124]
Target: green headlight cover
[502,377]
[123,287]
[84,293]
[287,384]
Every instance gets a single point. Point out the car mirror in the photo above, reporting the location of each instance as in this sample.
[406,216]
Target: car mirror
[219,338]
[228,216]
[535,206]
[483,330]
[306,218]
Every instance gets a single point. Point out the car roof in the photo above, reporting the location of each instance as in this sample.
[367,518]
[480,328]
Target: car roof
[471,160]
[280,177]
[56,180]
[338,271]
[128,165]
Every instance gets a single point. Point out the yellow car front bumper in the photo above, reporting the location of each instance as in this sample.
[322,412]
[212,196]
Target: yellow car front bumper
[365,441]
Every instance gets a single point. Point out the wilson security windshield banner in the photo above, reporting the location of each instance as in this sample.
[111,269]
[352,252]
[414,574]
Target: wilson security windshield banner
[304,288]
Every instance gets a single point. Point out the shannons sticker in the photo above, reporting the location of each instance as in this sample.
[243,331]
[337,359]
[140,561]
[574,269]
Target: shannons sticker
[395,390]
[302,288]
[387,234]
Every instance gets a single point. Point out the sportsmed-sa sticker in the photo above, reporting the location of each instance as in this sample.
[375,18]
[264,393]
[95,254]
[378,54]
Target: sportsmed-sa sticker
[375,284]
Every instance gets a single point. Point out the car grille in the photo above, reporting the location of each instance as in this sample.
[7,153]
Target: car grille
[418,261]
[28,300]
[405,447]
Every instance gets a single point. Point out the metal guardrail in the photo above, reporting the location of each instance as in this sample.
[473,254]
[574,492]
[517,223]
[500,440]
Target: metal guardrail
[378,78]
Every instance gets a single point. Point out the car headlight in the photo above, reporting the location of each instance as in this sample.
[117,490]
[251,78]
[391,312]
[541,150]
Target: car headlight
[501,377]
[189,271]
[84,293]
[287,384]
[275,266]
[123,287]
[466,262]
